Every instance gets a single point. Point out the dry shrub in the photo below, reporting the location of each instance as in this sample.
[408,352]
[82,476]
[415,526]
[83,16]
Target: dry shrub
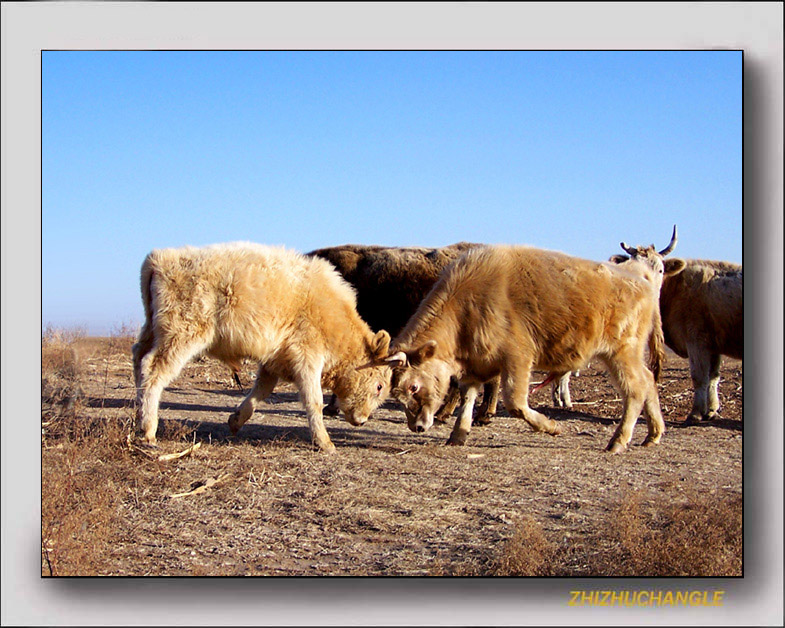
[123,337]
[701,536]
[80,480]
[81,496]
[61,372]
[526,553]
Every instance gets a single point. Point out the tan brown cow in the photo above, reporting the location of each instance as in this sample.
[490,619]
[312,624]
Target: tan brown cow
[702,320]
[650,258]
[504,310]
[390,283]
[294,315]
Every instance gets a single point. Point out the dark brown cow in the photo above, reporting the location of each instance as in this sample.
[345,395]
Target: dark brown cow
[390,283]
[702,320]
[504,310]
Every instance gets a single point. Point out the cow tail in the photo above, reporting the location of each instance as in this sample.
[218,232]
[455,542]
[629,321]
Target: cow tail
[146,335]
[147,293]
[656,346]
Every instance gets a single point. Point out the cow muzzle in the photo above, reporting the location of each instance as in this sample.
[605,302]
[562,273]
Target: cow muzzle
[419,422]
[356,420]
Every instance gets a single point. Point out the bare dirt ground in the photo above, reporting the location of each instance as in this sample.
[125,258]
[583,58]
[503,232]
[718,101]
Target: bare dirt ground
[390,502]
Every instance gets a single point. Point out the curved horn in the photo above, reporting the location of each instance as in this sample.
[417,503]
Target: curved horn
[628,249]
[399,358]
[672,244]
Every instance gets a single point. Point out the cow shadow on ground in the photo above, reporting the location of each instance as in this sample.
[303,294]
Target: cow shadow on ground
[257,434]
[108,402]
[560,414]
[268,405]
[719,422]
[239,395]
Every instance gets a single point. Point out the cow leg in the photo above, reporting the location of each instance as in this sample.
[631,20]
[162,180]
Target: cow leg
[652,412]
[700,368]
[560,392]
[714,380]
[464,421]
[629,376]
[261,389]
[515,393]
[490,399]
[157,368]
[309,385]
[445,412]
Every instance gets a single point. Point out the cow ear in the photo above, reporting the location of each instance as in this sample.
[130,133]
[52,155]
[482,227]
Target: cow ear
[380,345]
[618,259]
[674,266]
[423,353]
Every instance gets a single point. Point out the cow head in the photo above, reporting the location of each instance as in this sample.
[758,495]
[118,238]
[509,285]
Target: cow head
[420,383]
[654,259]
[363,389]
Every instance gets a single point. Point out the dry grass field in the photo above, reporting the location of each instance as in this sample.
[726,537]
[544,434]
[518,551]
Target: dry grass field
[510,503]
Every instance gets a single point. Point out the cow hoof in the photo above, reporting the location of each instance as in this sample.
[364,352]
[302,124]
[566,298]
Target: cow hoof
[711,417]
[330,411]
[328,449]
[481,420]
[456,441]
[138,439]
[233,423]
[650,443]
[555,429]
[615,447]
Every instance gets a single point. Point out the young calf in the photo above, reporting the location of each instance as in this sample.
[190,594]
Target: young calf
[294,315]
[505,310]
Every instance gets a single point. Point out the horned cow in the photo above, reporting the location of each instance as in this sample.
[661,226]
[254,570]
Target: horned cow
[294,315]
[649,264]
[390,283]
[702,314]
[504,310]
[703,319]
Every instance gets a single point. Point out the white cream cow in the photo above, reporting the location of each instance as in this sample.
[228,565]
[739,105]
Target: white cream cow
[294,315]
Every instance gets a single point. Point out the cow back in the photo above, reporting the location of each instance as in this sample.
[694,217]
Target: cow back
[390,281]
[703,305]
[563,308]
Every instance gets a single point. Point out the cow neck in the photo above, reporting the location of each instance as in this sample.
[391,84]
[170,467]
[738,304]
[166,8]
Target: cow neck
[347,352]
[436,323]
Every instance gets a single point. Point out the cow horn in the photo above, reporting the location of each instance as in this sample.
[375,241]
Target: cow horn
[628,249]
[672,244]
[399,357]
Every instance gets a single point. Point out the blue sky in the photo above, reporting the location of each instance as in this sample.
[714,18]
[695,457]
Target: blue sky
[573,151]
